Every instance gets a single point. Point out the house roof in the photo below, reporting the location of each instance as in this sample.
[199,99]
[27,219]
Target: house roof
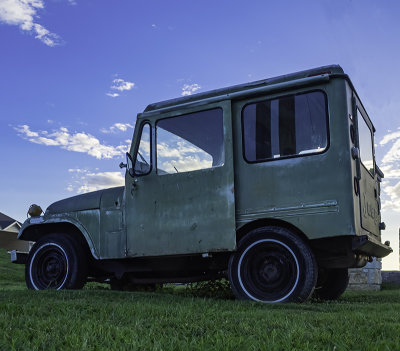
[6,221]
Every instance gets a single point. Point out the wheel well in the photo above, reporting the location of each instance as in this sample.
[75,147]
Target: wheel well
[35,232]
[240,233]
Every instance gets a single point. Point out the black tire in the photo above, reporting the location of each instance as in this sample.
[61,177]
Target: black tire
[56,262]
[331,284]
[272,264]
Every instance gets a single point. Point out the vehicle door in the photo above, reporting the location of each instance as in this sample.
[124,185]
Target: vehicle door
[180,199]
[368,183]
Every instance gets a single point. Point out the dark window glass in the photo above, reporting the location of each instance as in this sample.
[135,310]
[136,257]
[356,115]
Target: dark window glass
[288,126]
[190,142]
[366,151]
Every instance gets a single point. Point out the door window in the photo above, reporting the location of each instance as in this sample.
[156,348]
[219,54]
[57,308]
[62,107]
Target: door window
[190,142]
[365,139]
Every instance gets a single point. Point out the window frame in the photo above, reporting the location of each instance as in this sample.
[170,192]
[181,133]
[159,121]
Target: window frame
[182,114]
[139,139]
[279,97]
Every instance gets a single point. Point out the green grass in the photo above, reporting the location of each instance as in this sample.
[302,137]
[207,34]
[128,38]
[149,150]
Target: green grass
[11,275]
[177,319]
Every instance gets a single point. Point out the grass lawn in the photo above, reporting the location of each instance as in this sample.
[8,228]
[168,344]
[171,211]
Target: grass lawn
[97,318]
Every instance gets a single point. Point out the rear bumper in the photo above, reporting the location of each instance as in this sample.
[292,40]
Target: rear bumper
[18,257]
[348,251]
[370,246]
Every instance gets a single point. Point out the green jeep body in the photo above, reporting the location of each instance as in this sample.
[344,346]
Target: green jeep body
[293,171]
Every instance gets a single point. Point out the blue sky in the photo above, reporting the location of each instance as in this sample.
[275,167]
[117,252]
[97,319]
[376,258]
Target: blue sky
[74,74]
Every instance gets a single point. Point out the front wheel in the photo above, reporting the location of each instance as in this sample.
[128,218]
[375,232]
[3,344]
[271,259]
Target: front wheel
[272,264]
[55,262]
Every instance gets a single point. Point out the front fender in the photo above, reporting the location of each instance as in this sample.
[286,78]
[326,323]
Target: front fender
[36,227]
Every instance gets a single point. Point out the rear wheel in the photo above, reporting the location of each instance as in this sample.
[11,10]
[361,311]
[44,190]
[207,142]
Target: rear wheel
[272,264]
[331,284]
[56,262]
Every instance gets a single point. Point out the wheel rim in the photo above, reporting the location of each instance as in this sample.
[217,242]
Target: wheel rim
[268,271]
[49,267]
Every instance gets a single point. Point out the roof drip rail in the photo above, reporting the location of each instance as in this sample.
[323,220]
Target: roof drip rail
[243,93]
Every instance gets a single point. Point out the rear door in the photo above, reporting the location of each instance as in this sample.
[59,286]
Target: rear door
[369,200]
[185,203]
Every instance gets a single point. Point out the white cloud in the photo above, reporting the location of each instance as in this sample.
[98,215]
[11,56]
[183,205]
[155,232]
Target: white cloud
[123,127]
[389,137]
[85,181]
[77,170]
[391,168]
[113,95]
[164,150]
[24,129]
[178,149]
[189,89]
[186,164]
[393,193]
[393,155]
[78,142]
[390,172]
[121,85]
[175,154]
[23,13]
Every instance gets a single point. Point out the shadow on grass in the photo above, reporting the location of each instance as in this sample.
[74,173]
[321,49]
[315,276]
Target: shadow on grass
[12,279]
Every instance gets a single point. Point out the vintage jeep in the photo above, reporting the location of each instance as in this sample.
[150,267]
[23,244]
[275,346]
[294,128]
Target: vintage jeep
[272,184]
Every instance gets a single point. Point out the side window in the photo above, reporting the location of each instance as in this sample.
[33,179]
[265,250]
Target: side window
[365,138]
[288,126]
[190,142]
[143,154]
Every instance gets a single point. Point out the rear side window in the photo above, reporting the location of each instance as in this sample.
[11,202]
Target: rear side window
[285,127]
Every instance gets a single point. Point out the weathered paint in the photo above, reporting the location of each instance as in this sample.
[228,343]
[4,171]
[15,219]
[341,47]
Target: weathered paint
[112,238]
[86,212]
[85,221]
[319,208]
[200,211]
[369,199]
[183,213]
[292,185]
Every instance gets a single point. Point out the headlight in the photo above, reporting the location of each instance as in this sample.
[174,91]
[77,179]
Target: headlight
[34,210]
